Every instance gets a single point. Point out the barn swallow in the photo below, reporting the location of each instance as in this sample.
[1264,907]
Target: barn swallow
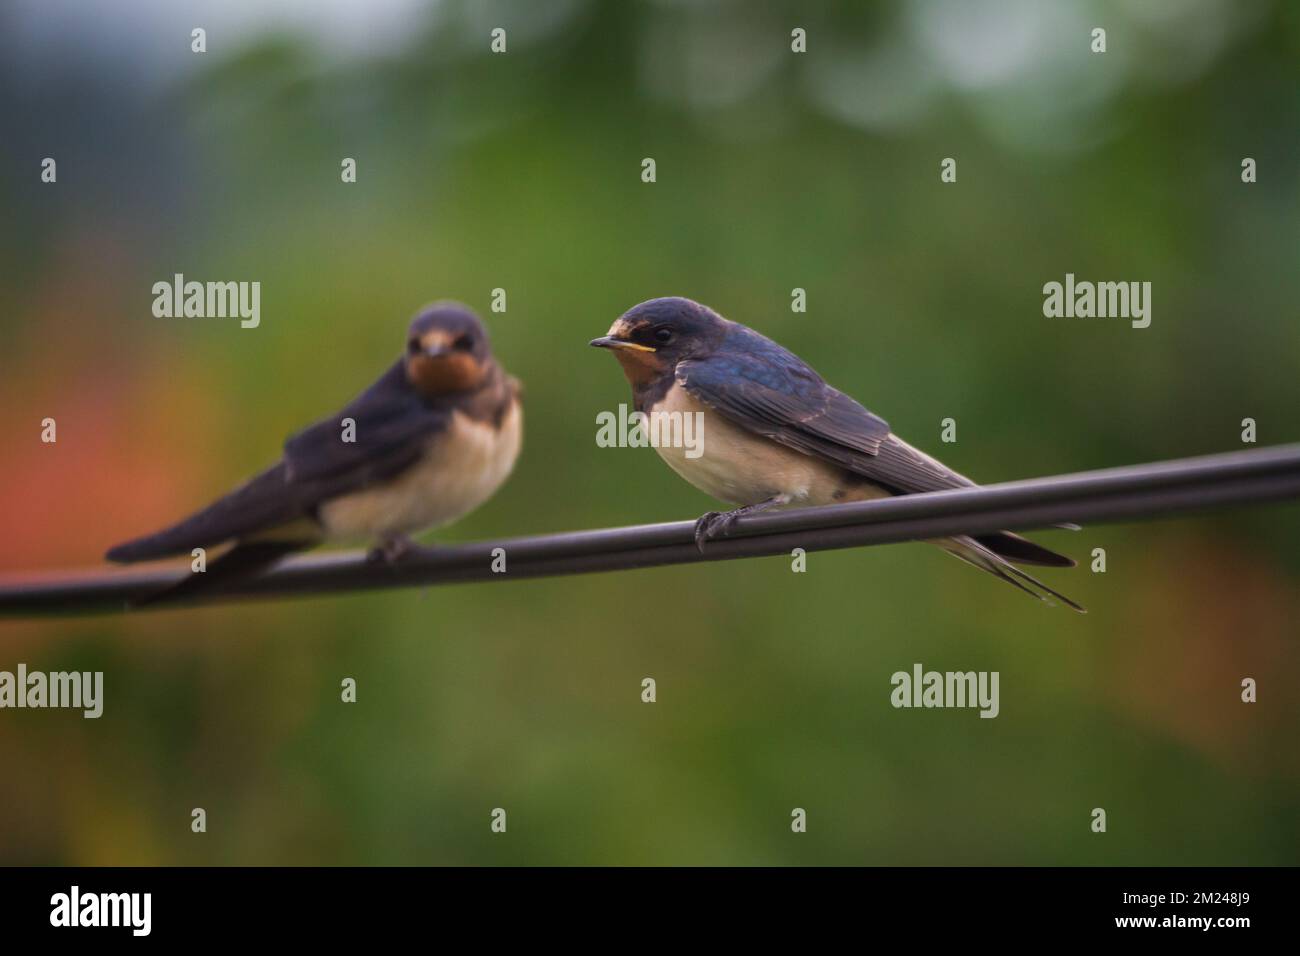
[426,444]
[775,435]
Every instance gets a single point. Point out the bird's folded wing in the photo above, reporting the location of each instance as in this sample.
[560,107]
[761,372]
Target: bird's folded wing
[789,403]
[906,470]
[261,502]
[388,430]
[375,438]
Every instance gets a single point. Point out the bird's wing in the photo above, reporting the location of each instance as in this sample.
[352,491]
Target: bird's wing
[373,439]
[390,426]
[771,392]
[906,470]
[781,398]
[261,502]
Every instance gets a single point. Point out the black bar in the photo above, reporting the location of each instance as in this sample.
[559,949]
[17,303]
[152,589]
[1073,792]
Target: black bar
[977,906]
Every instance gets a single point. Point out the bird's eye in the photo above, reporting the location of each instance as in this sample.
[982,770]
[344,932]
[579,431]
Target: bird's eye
[413,345]
[663,335]
[463,344]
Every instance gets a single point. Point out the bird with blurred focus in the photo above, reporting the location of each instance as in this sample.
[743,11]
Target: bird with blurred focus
[430,441]
[775,435]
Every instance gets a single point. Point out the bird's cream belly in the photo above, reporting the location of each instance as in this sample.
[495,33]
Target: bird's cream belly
[461,468]
[742,468]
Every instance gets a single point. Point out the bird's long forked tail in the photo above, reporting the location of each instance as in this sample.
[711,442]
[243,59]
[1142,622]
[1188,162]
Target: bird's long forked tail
[245,560]
[973,552]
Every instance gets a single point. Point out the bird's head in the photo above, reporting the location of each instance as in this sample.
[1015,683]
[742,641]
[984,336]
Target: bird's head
[447,350]
[651,338]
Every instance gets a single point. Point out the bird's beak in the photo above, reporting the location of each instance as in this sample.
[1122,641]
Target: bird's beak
[609,342]
[435,351]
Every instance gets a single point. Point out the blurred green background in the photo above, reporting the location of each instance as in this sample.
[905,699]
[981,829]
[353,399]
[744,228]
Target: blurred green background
[775,170]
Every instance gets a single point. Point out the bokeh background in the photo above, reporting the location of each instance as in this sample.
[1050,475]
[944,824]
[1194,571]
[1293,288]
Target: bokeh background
[775,171]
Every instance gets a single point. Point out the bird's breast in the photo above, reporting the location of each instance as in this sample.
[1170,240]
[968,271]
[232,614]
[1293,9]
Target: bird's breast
[461,467]
[735,465]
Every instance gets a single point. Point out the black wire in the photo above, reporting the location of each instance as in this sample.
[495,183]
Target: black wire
[1115,494]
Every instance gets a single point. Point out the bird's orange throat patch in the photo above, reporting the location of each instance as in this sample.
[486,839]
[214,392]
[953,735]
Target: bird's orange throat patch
[641,368]
[444,374]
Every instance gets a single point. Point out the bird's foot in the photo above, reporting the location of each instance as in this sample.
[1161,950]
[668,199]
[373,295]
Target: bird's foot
[717,524]
[713,524]
[392,551]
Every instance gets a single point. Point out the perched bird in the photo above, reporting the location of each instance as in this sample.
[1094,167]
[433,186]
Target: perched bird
[426,444]
[776,435]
